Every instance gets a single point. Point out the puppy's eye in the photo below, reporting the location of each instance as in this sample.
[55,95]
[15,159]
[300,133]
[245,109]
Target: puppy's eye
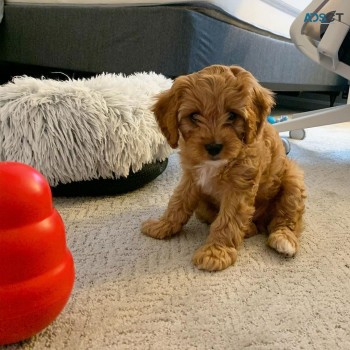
[194,117]
[232,116]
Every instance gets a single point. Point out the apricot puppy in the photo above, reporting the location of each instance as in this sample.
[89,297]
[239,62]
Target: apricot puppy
[236,176]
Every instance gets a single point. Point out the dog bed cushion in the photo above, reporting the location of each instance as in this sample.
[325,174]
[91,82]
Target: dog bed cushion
[83,129]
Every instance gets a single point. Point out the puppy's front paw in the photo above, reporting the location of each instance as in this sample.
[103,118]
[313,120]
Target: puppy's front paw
[284,242]
[214,257]
[159,229]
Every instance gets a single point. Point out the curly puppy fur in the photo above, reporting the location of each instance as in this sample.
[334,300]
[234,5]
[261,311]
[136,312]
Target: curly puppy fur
[236,176]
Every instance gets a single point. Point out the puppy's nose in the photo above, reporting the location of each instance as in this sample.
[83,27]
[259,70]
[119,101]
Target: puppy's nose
[213,148]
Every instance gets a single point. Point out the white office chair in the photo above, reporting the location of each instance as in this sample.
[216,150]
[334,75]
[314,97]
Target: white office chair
[324,44]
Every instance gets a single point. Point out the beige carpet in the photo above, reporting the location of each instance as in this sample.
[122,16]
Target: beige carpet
[132,292]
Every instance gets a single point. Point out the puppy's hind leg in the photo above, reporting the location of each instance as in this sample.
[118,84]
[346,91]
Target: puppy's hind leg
[206,211]
[287,222]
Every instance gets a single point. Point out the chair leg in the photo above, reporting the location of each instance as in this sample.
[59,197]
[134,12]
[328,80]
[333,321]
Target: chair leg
[326,116]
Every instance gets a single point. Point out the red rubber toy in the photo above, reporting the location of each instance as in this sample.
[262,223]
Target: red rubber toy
[36,268]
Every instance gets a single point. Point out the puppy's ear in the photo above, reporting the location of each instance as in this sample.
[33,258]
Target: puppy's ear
[165,111]
[262,102]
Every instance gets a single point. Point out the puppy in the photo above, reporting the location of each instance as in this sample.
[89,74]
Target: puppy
[236,176]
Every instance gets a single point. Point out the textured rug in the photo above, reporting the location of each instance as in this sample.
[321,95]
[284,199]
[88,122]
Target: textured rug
[133,292]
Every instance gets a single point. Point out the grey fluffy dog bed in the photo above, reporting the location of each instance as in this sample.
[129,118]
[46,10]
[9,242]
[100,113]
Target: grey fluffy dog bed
[88,136]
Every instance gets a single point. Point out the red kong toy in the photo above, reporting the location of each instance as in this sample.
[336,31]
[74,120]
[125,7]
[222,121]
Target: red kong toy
[36,268]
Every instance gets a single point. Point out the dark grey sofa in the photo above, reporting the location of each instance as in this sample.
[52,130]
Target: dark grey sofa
[172,40]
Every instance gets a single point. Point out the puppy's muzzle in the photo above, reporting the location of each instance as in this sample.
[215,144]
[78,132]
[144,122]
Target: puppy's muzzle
[213,148]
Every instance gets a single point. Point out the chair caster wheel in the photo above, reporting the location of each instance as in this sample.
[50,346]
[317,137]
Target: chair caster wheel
[297,134]
[286,145]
